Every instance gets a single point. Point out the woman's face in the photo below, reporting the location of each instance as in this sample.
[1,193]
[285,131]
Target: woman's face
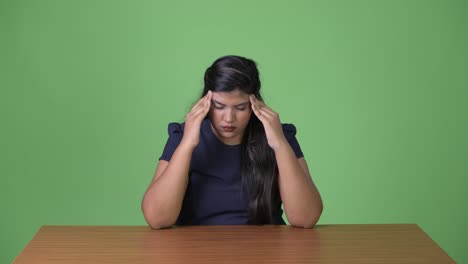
[229,114]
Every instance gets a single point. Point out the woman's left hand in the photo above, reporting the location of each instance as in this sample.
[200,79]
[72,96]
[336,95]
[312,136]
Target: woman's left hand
[271,122]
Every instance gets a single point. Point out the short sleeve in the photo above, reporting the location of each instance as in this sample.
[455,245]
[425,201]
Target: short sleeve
[289,131]
[175,131]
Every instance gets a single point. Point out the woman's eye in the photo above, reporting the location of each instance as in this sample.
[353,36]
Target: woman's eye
[241,108]
[218,107]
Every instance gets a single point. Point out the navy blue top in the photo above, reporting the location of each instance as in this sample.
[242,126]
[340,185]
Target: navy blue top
[213,195]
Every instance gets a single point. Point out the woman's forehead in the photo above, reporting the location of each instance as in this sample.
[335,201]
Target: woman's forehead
[233,97]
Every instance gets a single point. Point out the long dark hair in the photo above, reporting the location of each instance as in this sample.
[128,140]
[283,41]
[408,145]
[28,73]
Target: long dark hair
[259,172]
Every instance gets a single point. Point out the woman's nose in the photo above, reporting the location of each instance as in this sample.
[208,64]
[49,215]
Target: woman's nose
[229,116]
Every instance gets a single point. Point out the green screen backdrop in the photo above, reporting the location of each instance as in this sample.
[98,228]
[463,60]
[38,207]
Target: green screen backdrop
[376,89]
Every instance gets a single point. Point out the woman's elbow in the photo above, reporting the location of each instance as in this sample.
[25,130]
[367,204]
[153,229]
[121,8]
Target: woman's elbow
[304,223]
[158,223]
[155,221]
[307,220]
[158,226]
[311,223]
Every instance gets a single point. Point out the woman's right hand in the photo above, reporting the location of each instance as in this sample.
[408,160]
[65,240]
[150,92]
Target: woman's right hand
[194,119]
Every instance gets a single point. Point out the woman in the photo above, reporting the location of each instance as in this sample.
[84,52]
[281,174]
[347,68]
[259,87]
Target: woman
[232,161]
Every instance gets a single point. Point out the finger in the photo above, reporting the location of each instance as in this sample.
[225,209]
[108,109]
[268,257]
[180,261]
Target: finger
[266,114]
[205,107]
[258,113]
[268,111]
[254,107]
[196,107]
[263,107]
[258,102]
[253,101]
[199,113]
[208,103]
[197,104]
[202,100]
[208,96]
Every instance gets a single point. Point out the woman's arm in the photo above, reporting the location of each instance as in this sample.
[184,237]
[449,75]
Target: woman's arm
[163,199]
[301,199]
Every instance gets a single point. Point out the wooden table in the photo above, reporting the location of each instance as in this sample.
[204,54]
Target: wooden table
[396,243]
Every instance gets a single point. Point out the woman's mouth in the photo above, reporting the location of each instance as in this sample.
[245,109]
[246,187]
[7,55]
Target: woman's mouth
[228,128]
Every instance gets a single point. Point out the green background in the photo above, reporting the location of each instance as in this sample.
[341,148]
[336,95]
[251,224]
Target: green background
[376,89]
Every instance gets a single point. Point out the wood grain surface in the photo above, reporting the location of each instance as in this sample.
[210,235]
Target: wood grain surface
[392,243]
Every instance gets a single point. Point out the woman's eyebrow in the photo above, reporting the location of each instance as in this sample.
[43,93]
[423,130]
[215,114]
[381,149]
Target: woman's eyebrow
[244,103]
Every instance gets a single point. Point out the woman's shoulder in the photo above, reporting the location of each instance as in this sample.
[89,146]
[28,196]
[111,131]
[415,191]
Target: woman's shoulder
[289,129]
[177,127]
[174,128]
